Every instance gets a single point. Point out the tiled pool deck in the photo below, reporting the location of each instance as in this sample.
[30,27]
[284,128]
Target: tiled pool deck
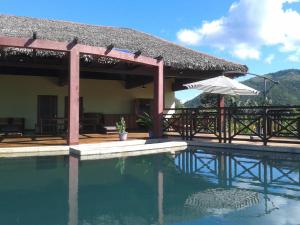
[111,148]
[32,141]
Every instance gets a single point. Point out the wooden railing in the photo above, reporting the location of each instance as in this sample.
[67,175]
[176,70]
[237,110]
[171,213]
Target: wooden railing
[189,122]
[53,126]
[59,126]
[261,123]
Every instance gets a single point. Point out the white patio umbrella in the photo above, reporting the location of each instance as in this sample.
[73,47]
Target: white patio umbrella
[222,85]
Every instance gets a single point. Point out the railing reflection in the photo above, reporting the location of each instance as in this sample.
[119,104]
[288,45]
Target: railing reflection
[262,175]
[267,174]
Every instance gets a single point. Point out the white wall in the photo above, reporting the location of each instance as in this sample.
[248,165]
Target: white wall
[18,96]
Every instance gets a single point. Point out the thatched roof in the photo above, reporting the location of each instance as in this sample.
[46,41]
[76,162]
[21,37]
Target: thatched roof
[175,56]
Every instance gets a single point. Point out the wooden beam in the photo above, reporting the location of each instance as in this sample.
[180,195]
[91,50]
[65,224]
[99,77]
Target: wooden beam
[158,101]
[158,58]
[65,47]
[33,44]
[73,43]
[109,48]
[27,71]
[34,35]
[191,74]
[145,71]
[115,54]
[137,53]
[100,51]
[62,78]
[73,117]
[178,84]
[142,70]
[134,82]
[99,69]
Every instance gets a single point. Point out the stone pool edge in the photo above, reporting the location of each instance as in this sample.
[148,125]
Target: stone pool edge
[134,148]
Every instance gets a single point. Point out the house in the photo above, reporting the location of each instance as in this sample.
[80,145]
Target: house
[100,73]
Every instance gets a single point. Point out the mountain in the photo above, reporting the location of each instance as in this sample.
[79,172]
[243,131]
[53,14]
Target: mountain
[205,100]
[287,92]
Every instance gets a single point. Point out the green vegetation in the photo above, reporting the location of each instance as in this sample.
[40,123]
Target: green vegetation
[121,126]
[178,104]
[204,100]
[286,93]
[121,163]
[145,121]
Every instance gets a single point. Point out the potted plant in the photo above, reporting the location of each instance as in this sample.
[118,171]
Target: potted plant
[121,127]
[146,122]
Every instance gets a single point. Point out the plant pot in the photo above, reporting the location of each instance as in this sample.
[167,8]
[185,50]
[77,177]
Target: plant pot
[123,136]
[151,134]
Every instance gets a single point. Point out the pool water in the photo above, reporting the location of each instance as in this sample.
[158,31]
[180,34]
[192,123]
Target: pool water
[191,187]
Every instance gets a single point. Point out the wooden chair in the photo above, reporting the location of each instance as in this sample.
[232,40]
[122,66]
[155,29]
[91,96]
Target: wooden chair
[12,126]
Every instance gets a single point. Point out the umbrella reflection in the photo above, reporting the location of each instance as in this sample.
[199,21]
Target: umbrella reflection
[221,201]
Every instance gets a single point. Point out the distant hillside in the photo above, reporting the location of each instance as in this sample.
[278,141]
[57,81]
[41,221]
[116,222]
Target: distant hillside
[205,100]
[286,93]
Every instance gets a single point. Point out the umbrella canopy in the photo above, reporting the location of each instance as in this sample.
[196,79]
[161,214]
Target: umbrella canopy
[222,85]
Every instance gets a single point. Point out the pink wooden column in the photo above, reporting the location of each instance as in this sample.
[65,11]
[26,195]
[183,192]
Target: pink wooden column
[158,103]
[73,117]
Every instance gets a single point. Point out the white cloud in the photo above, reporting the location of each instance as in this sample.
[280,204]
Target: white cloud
[190,37]
[295,56]
[269,59]
[243,51]
[249,26]
[288,212]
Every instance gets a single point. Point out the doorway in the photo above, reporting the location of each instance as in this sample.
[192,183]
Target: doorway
[47,114]
[47,107]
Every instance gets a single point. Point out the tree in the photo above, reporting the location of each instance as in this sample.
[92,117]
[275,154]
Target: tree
[178,104]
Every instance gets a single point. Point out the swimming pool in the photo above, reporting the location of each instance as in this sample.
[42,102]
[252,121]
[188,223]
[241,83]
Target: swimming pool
[191,187]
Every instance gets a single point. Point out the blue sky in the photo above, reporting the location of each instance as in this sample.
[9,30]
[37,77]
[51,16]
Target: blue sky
[263,34]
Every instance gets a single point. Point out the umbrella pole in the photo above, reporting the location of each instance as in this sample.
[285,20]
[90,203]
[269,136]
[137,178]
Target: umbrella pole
[221,105]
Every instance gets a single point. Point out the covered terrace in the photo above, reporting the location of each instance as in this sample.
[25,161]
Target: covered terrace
[125,71]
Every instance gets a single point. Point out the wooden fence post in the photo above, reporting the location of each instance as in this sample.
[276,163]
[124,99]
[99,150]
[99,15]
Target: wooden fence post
[229,124]
[224,125]
[265,125]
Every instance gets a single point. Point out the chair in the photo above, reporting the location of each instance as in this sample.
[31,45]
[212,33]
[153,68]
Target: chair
[12,126]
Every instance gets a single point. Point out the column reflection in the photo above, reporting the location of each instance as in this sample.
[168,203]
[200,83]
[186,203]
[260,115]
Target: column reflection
[73,190]
[160,200]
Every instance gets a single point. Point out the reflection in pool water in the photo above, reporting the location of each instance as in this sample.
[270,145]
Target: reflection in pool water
[192,187]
